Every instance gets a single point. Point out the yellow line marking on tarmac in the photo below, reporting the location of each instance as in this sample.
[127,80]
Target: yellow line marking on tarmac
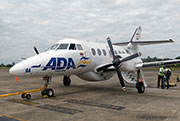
[12,117]
[56,98]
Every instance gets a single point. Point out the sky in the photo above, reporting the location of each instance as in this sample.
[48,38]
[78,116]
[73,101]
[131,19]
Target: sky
[40,23]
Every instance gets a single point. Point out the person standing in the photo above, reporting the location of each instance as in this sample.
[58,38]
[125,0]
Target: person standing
[161,77]
[167,76]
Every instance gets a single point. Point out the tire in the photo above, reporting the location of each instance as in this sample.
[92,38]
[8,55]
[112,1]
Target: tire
[66,81]
[23,95]
[50,92]
[44,92]
[28,97]
[140,87]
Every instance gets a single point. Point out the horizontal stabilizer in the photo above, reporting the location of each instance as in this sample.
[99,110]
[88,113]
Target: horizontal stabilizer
[144,42]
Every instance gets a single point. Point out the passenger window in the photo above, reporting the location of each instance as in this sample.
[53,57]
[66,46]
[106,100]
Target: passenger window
[116,52]
[119,52]
[99,52]
[123,52]
[93,51]
[79,47]
[63,47]
[127,51]
[104,52]
[72,47]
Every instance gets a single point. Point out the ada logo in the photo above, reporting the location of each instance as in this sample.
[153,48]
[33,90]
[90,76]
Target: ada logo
[60,64]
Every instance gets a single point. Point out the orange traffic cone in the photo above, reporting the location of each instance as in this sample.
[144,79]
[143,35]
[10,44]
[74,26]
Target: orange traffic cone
[16,79]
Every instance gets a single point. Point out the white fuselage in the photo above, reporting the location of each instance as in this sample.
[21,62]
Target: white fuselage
[74,62]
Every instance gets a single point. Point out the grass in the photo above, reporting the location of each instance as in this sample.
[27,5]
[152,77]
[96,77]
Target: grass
[4,68]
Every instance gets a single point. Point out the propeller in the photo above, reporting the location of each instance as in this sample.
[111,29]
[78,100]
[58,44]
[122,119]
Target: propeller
[36,50]
[117,62]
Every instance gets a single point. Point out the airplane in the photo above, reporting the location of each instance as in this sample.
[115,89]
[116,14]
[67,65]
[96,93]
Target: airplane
[91,61]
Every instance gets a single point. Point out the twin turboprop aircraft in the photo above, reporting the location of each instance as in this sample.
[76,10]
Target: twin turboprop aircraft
[90,61]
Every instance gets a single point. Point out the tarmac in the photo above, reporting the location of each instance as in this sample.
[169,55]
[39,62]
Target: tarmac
[88,101]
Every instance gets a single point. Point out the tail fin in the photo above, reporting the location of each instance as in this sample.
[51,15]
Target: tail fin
[138,33]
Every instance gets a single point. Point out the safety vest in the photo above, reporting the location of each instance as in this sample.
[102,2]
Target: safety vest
[161,73]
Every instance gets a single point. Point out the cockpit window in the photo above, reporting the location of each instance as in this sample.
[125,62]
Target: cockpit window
[54,46]
[72,47]
[79,47]
[63,47]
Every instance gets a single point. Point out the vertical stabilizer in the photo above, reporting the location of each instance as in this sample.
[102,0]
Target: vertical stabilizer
[137,36]
[138,33]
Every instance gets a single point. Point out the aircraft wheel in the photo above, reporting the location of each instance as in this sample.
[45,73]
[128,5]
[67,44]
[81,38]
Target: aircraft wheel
[140,87]
[28,97]
[23,95]
[44,92]
[67,81]
[50,92]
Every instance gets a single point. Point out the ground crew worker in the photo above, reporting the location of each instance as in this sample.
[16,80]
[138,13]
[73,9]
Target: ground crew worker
[167,75]
[161,77]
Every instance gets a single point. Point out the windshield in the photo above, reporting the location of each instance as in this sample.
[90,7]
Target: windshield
[63,47]
[53,47]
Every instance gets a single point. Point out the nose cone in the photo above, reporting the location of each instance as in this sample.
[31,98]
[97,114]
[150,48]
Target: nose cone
[18,69]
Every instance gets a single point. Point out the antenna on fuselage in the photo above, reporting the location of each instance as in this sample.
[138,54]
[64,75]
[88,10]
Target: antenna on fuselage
[36,50]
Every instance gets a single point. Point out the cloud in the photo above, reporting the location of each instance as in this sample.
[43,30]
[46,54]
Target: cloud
[25,23]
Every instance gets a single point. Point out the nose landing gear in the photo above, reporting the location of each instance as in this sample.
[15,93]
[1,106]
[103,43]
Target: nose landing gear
[47,92]
[140,87]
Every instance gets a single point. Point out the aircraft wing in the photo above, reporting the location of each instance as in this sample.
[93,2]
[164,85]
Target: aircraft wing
[157,63]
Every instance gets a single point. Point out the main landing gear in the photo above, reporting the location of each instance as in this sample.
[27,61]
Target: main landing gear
[47,92]
[66,80]
[140,85]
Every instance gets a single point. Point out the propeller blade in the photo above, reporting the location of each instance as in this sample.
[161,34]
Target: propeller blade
[120,77]
[24,58]
[130,57]
[110,47]
[36,50]
[13,63]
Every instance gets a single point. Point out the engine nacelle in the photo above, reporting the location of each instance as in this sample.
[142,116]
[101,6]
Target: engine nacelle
[92,76]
